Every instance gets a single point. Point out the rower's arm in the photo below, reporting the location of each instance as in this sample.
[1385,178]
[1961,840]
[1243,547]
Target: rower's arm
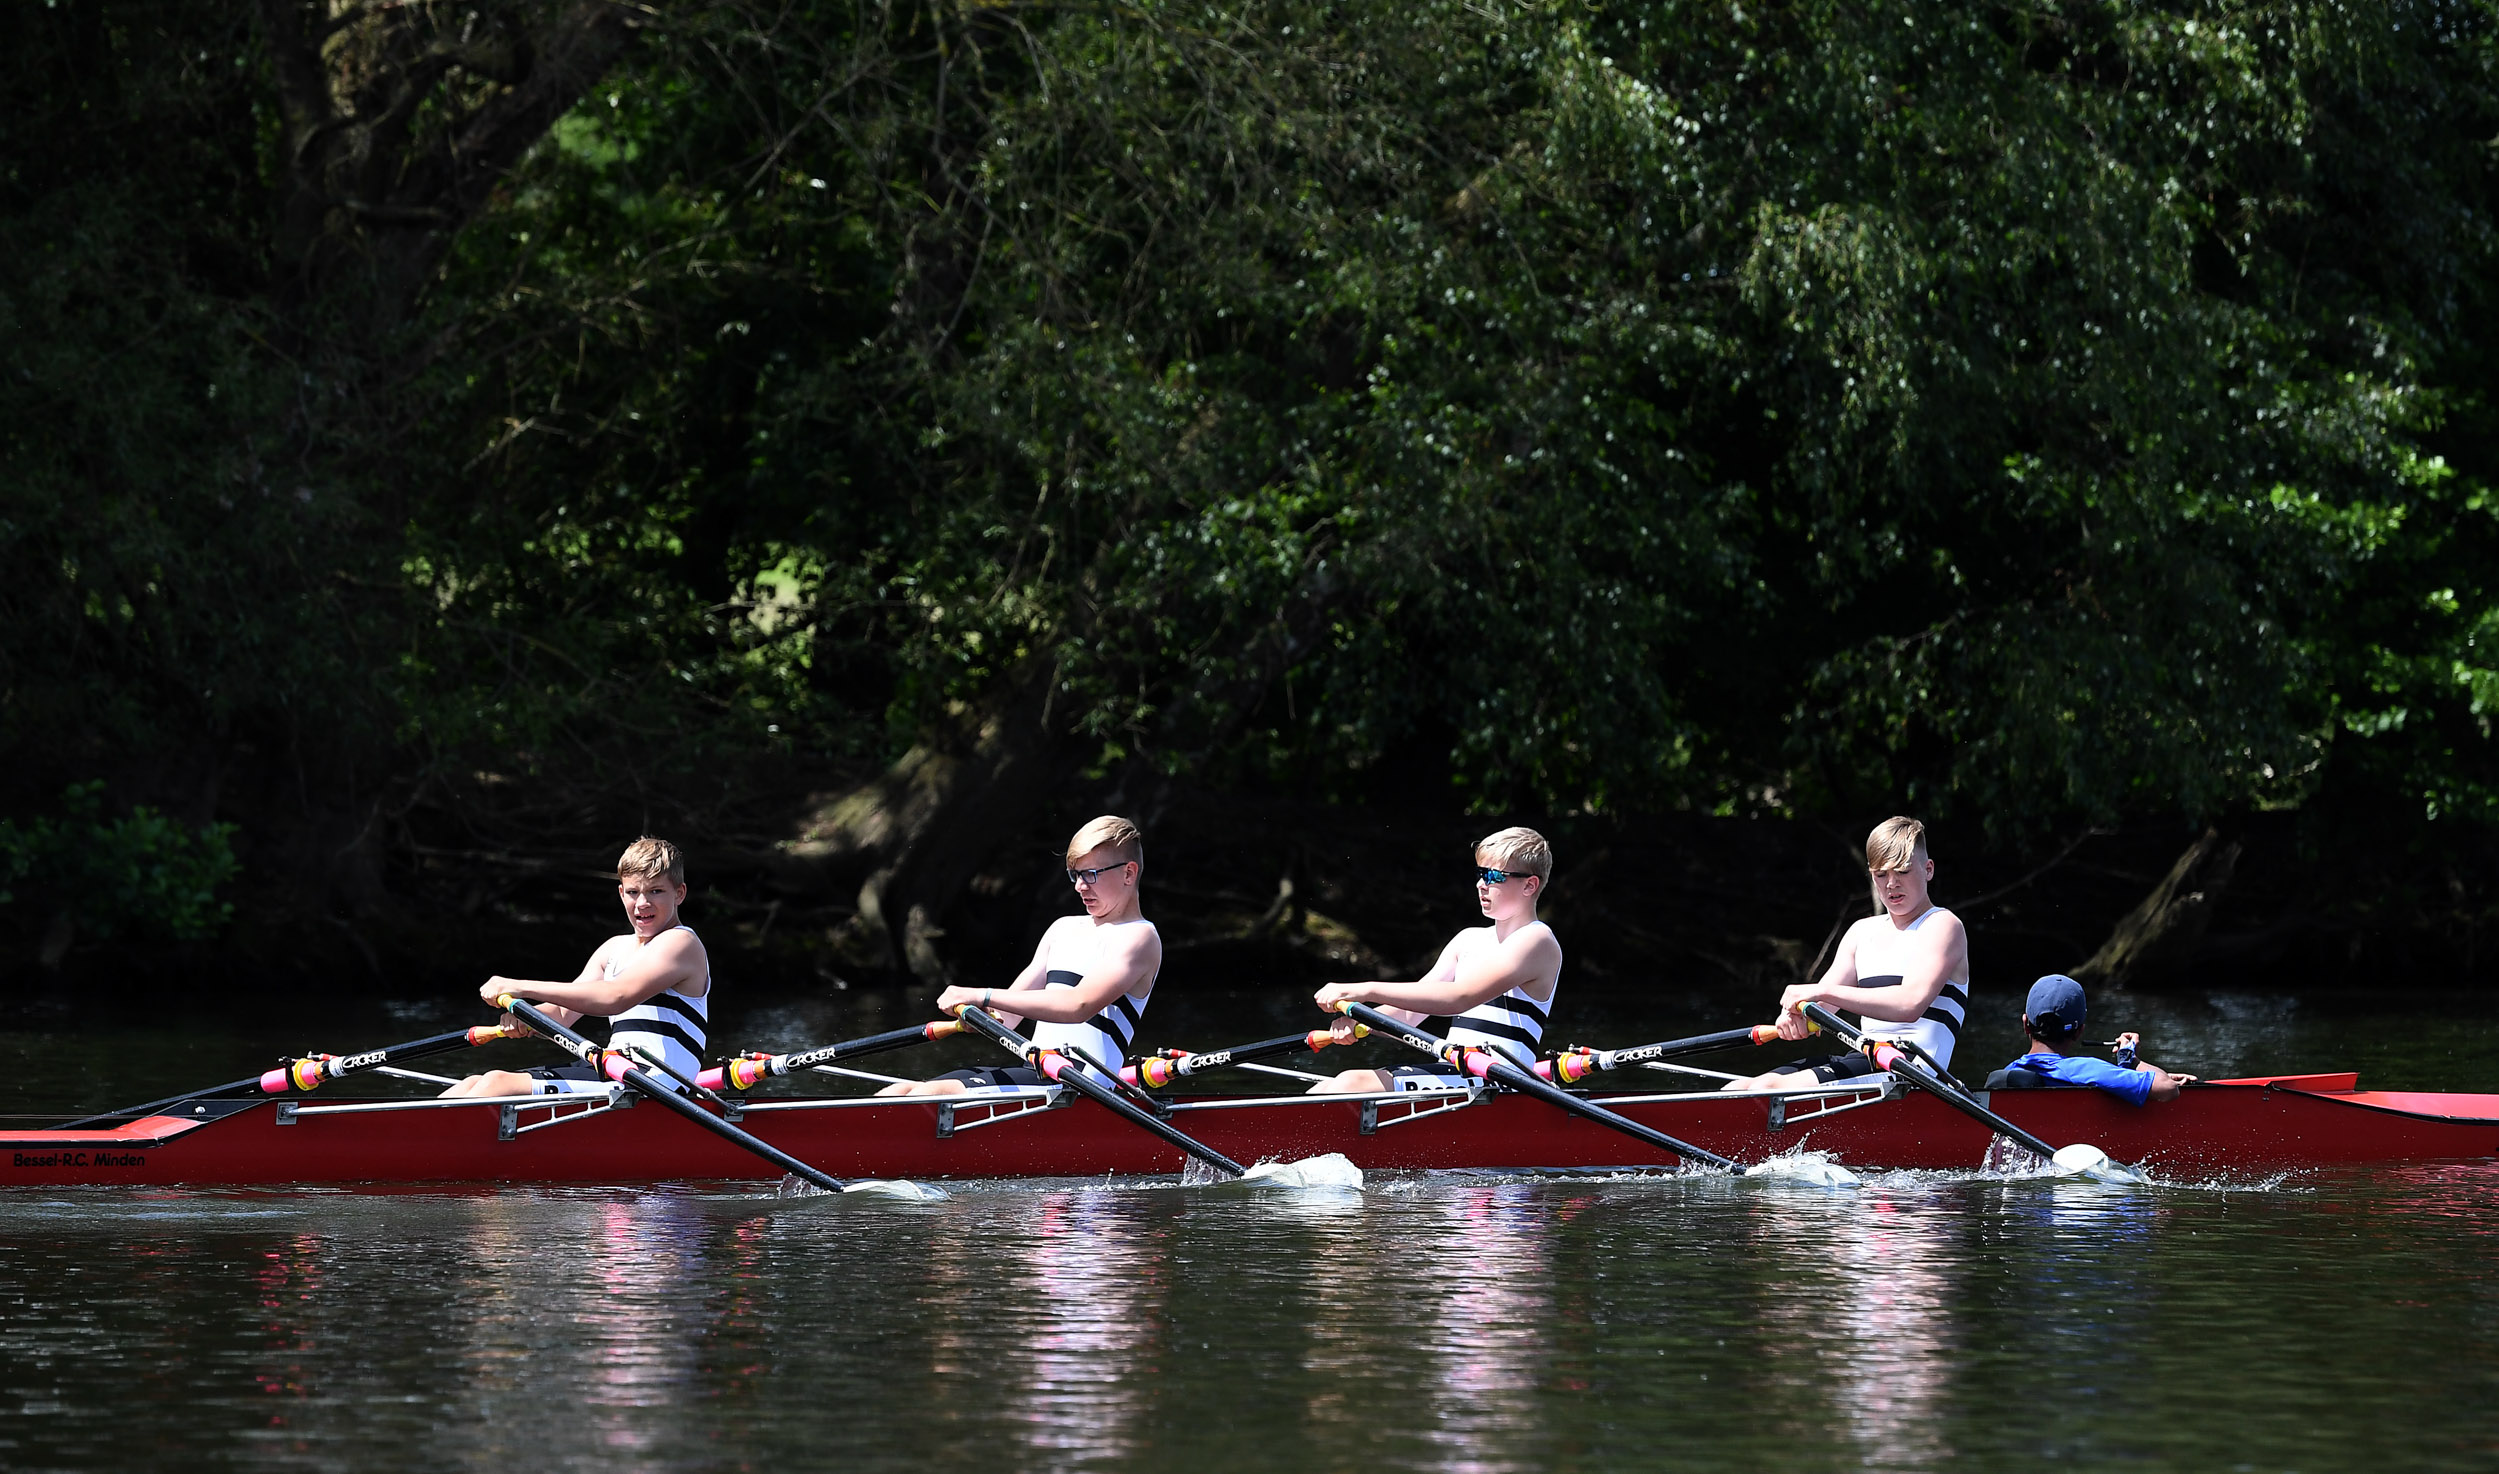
[2165,1083]
[666,961]
[1461,982]
[1030,981]
[1128,968]
[1903,1002]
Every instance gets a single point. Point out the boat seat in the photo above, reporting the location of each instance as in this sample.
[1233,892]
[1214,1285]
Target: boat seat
[2026,1080]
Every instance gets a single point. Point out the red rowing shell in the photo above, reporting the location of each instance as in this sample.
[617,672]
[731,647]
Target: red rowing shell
[2235,1127]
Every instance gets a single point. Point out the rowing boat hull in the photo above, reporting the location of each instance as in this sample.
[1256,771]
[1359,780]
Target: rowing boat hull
[2234,1127]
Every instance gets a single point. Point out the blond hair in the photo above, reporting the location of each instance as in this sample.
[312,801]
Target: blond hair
[1110,832]
[646,857]
[1522,851]
[1895,844]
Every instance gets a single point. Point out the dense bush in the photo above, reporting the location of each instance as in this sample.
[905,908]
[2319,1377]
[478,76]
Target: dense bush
[141,876]
[2037,412]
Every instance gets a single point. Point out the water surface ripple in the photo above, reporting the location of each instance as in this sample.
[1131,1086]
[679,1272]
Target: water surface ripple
[1449,1323]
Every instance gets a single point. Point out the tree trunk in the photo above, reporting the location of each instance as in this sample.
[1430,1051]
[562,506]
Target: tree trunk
[926,824]
[2154,941]
[400,122]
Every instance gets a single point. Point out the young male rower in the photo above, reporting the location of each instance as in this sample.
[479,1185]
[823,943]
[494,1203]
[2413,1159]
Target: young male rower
[1089,979]
[1905,970]
[2052,1019]
[1494,983]
[653,984]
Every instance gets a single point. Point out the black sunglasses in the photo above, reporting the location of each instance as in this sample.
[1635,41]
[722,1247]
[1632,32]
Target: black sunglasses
[1497,877]
[1093,876]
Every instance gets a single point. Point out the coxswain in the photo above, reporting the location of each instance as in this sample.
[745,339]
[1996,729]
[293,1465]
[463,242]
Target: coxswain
[1089,979]
[653,985]
[2052,1019]
[1494,984]
[1904,971]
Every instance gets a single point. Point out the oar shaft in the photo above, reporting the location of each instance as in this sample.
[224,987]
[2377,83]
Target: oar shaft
[1156,1073]
[1574,1065]
[314,1071]
[1059,1070]
[1900,1063]
[620,1068]
[1612,1059]
[311,1072]
[1494,1067]
[746,1072]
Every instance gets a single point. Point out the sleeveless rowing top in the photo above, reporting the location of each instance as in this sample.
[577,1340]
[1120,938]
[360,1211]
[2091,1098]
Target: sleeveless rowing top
[1882,961]
[668,1026]
[1511,1025]
[1107,1035]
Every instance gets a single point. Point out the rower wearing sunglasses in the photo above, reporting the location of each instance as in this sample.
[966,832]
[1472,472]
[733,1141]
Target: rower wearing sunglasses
[1088,981]
[1493,983]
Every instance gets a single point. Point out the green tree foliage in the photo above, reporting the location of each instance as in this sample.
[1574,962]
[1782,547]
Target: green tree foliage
[2043,412]
[142,875]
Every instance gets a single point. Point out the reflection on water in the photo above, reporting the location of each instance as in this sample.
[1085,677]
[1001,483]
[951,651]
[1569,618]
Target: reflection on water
[1894,1326]
[1083,1284]
[1875,1319]
[625,1306]
[1445,1323]
[1466,1320]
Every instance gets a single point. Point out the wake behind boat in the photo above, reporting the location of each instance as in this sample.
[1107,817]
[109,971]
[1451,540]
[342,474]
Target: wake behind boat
[2262,1124]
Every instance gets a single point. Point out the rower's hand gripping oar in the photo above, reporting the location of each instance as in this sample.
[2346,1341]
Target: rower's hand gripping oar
[1573,1065]
[646,1061]
[1487,1065]
[314,1071]
[749,1070]
[1178,1064]
[1058,1069]
[624,1069]
[2078,1158]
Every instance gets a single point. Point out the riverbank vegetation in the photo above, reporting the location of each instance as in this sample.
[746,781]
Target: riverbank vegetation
[437,438]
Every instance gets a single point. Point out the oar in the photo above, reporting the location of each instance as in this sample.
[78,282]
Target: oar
[1179,1064]
[2080,1157]
[1491,1066]
[621,1067]
[1575,1064]
[748,1070]
[1154,1105]
[314,1071]
[1058,1069]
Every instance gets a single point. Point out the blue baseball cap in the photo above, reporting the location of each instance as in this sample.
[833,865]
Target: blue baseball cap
[2056,1007]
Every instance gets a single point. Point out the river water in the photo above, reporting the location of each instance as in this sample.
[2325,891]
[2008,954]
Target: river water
[1922,1321]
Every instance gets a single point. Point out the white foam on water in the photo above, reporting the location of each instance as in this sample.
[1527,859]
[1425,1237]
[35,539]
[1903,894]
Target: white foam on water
[1806,1169]
[2085,1160]
[900,1190]
[1330,1170]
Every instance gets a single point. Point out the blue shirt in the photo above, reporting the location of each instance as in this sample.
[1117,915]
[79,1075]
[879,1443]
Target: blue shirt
[2134,1087]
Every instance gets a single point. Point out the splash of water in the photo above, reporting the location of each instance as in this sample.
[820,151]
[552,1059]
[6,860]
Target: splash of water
[2085,1160]
[898,1190]
[1806,1169]
[1331,1170]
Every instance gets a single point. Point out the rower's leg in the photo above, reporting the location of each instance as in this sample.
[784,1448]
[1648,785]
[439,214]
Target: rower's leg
[926,1087]
[1353,1082]
[493,1082]
[1771,1080]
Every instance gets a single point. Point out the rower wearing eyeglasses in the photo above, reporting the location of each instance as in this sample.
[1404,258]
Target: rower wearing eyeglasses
[1088,982]
[1494,983]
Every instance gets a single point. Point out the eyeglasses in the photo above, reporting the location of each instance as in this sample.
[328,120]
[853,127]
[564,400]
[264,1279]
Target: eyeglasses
[1499,877]
[1089,877]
